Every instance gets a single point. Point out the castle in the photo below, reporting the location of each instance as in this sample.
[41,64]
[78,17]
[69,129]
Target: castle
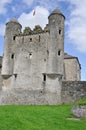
[34,67]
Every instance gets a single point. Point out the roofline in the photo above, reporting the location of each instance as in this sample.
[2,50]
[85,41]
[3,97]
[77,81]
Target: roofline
[1,56]
[56,14]
[13,22]
[73,58]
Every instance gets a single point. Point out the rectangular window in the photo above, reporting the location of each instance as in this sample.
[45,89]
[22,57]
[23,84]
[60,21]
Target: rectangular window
[39,38]
[44,77]
[59,52]
[15,76]
[30,55]
[59,31]
[12,56]
[30,39]
[14,37]
[0,66]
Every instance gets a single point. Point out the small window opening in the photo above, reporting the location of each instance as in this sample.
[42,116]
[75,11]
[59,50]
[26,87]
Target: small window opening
[48,52]
[30,39]
[44,77]
[39,38]
[30,55]
[59,31]
[0,66]
[14,37]
[15,76]
[12,56]
[59,52]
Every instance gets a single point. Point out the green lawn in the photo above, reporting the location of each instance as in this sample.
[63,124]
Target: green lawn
[39,118]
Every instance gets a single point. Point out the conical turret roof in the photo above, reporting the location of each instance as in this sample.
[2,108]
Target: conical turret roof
[56,11]
[14,20]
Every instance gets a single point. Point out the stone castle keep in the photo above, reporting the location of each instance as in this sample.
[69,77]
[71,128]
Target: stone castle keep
[34,68]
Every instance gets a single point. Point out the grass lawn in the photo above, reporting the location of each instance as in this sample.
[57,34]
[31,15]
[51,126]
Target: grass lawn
[39,118]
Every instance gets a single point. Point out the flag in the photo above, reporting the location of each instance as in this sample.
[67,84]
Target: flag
[33,12]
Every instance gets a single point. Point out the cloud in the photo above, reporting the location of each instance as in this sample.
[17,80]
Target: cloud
[40,18]
[76,20]
[2,29]
[77,24]
[2,6]
[48,4]
[28,2]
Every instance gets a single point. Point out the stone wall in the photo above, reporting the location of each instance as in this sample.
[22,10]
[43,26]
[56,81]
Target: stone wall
[73,91]
[30,60]
[0,71]
[37,96]
[72,69]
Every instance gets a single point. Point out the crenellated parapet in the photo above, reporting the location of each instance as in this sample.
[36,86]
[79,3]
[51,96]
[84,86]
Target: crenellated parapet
[36,30]
[46,29]
[27,31]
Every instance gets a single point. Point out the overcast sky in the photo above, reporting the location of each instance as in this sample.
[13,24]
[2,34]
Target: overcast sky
[75,22]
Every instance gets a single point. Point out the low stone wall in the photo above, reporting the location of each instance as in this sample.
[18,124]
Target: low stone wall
[73,91]
[22,96]
[27,97]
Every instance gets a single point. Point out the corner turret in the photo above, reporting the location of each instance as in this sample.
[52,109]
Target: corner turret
[55,57]
[56,45]
[13,28]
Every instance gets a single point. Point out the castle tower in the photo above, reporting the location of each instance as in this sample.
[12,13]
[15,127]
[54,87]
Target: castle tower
[13,28]
[56,45]
[55,57]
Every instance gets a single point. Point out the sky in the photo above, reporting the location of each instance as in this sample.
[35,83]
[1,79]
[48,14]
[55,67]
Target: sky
[75,22]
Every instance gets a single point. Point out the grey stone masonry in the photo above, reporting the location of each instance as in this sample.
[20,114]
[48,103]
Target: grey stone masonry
[33,62]
[72,68]
[0,71]
[73,91]
[33,66]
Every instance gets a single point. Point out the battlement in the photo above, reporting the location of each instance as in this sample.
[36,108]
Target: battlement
[37,30]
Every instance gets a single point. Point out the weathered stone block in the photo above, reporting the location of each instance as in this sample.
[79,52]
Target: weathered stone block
[79,111]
